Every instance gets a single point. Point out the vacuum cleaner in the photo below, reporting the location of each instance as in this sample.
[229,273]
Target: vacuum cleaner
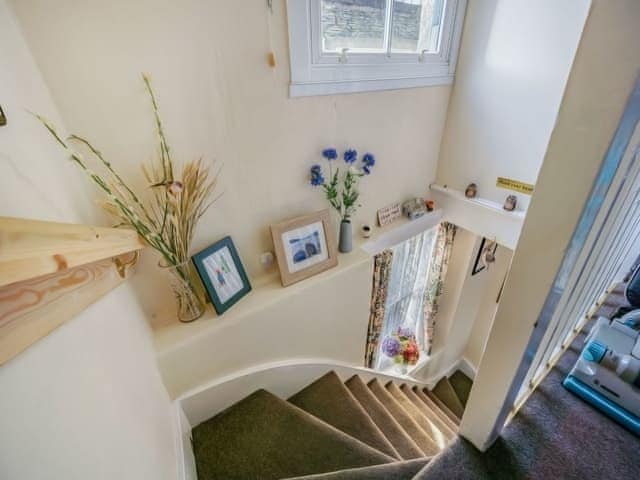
[607,373]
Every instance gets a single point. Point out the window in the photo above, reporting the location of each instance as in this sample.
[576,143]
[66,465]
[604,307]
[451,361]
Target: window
[340,46]
[406,292]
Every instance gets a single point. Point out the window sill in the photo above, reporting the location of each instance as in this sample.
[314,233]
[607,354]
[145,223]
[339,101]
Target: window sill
[306,89]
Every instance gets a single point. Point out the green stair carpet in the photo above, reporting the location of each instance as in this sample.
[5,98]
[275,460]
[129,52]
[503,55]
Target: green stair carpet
[426,444]
[328,430]
[263,437]
[436,436]
[437,423]
[461,385]
[405,470]
[445,392]
[328,399]
[431,405]
[402,442]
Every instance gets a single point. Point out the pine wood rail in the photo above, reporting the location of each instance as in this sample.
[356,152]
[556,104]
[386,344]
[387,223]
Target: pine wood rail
[49,272]
[32,248]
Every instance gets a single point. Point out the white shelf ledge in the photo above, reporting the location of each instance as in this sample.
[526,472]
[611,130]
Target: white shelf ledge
[479,215]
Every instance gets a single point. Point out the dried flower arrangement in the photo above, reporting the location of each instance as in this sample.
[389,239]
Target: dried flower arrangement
[166,220]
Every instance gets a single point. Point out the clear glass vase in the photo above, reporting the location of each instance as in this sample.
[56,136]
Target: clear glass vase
[190,307]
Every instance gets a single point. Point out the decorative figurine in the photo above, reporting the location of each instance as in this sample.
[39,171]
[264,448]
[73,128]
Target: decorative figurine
[366,231]
[510,203]
[471,191]
[430,204]
[414,208]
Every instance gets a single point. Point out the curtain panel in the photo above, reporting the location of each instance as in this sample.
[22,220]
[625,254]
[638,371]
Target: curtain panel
[381,273]
[436,277]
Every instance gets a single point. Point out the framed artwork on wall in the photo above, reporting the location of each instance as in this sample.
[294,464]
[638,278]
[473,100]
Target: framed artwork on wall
[305,246]
[485,257]
[222,274]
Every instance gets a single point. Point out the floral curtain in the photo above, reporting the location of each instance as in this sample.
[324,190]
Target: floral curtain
[436,277]
[381,273]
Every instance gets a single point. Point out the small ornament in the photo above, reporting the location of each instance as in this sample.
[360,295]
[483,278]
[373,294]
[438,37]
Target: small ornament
[471,191]
[414,208]
[510,203]
[431,205]
[366,231]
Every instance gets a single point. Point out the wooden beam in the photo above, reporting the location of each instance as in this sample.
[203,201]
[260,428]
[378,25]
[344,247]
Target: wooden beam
[32,248]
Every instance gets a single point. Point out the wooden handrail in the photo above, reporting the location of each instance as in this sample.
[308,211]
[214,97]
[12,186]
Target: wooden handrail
[50,272]
[32,248]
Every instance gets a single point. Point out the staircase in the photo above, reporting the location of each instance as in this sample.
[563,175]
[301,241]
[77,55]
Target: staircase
[332,430]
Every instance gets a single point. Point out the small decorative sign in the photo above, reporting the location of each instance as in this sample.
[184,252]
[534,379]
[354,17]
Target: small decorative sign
[514,185]
[389,214]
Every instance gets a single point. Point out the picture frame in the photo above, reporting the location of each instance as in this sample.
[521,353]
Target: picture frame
[480,263]
[222,274]
[304,246]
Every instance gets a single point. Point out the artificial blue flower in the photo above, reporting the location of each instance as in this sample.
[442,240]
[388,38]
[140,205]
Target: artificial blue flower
[330,153]
[316,176]
[350,156]
[366,170]
[369,160]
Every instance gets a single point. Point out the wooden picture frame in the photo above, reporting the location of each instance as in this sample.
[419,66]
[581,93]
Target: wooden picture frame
[222,274]
[305,246]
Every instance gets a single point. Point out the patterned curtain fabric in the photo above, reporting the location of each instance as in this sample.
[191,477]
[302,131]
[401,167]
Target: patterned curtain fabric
[436,277]
[381,274]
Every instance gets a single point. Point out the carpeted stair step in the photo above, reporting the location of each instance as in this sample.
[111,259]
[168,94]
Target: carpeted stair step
[433,416]
[402,442]
[445,392]
[404,470]
[264,437]
[434,407]
[435,434]
[434,398]
[331,401]
[462,386]
[409,425]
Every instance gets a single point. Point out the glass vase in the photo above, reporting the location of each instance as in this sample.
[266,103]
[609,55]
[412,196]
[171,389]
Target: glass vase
[401,368]
[190,307]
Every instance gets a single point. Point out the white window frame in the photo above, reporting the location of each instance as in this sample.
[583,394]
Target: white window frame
[314,72]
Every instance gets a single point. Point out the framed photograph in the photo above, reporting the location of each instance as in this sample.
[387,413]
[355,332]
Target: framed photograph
[304,246]
[485,257]
[222,274]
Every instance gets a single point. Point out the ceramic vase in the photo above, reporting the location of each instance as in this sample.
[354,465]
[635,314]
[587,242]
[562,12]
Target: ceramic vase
[345,244]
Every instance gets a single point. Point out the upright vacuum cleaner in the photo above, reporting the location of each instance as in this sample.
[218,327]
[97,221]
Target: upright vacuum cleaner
[607,374]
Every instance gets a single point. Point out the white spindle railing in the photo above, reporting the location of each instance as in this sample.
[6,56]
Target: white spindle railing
[612,244]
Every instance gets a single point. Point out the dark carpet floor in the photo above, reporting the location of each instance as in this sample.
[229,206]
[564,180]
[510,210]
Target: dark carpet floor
[554,436]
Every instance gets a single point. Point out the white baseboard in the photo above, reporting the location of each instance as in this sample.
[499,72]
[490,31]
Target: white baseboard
[184,449]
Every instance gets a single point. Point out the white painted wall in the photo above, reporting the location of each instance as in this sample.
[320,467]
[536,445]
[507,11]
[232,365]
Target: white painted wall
[86,401]
[220,99]
[489,282]
[514,62]
[604,72]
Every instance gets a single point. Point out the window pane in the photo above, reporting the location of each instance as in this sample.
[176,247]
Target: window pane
[353,24]
[406,290]
[416,25]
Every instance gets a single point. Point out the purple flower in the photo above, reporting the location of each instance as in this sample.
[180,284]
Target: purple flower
[350,155]
[405,332]
[391,346]
[316,178]
[330,153]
